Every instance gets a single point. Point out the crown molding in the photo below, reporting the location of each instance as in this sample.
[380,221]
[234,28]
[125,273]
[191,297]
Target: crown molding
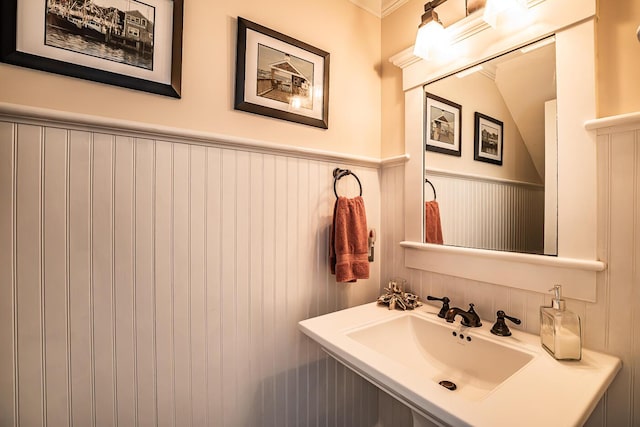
[380,8]
[371,6]
[390,6]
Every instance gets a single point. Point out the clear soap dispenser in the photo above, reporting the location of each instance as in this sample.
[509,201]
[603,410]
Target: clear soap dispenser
[560,332]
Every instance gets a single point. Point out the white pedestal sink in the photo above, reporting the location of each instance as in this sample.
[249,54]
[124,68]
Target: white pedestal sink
[452,375]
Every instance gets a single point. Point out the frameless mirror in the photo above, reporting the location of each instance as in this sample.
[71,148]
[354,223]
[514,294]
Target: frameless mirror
[490,154]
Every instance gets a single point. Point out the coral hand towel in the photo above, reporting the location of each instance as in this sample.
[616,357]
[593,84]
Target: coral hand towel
[432,224]
[348,248]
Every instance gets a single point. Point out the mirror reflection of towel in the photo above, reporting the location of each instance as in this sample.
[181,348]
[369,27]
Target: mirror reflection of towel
[432,224]
[348,257]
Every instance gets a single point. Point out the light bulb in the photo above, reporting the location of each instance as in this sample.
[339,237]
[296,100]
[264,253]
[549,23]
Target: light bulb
[431,38]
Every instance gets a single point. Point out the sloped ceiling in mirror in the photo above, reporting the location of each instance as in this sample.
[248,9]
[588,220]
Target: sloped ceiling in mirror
[526,83]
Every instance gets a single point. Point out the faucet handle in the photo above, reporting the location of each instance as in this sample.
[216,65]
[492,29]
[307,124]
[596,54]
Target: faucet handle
[500,328]
[445,304]
[474,321]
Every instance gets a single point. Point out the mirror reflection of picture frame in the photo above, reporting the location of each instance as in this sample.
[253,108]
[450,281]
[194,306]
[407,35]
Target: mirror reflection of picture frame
[488,139]
[442,126]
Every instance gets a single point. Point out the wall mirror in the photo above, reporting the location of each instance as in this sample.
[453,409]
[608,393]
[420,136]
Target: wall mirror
[490,153]
[572,23]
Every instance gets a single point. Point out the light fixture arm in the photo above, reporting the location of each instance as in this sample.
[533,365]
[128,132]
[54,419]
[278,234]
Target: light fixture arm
[429,12]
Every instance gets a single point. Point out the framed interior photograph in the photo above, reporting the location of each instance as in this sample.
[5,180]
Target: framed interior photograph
[128,43]
[488,139]
[442,126]
[281,77]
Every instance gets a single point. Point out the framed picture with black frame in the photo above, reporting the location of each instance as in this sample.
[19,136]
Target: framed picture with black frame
[488,139]
[281,77]
[128,43]
[442,126]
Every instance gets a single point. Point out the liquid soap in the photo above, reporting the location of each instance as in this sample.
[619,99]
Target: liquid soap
[560,332]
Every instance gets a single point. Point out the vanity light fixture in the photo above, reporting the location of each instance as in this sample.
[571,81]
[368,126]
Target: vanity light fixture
[431,33]
[494,9]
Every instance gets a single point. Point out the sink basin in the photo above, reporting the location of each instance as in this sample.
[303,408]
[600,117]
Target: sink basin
[433,349]
[417,357]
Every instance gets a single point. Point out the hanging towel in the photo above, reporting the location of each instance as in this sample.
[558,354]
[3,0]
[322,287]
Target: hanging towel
[348,249]
[432,225]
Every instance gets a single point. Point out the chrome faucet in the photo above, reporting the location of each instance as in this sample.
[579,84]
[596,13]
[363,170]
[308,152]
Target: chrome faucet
[469,318]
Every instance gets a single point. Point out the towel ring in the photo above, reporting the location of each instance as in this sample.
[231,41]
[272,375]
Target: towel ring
[426,180]
[339,173]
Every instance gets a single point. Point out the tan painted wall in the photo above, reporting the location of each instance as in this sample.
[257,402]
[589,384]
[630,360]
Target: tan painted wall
[618,57]
[398,32]
[348,33]
[364,110]
[618,63]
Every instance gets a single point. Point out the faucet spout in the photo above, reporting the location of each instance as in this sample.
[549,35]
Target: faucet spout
[469,318]
[452,313]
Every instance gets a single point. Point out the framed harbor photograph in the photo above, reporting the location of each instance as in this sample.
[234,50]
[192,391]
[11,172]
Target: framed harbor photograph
[129,43]
[442,125]
[281,77]
[488,139]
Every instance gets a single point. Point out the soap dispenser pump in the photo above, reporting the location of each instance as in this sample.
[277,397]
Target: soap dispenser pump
[560,332]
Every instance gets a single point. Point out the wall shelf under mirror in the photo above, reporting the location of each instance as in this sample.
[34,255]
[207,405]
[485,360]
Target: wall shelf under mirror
[574,263]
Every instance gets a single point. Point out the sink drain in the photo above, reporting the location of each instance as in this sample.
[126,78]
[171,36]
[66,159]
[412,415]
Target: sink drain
[448,385]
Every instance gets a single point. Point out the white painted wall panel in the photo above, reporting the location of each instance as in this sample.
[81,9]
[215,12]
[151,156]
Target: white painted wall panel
[28,276]
[8,381]
[145,296]
[164,285]
[243,289]
[124,286]
[214,285]
[197,276]
[80,295]
[228,288]
[102,248]
[256,277]
[152,282]
[269,307]
[181,285]
[55,283]
[622,272]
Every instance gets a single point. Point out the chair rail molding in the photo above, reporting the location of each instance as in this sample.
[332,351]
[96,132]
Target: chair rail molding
[40,116]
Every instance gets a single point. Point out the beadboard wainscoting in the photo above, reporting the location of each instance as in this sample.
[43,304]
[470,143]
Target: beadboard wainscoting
[486,213]
[150,279]
[610,324]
